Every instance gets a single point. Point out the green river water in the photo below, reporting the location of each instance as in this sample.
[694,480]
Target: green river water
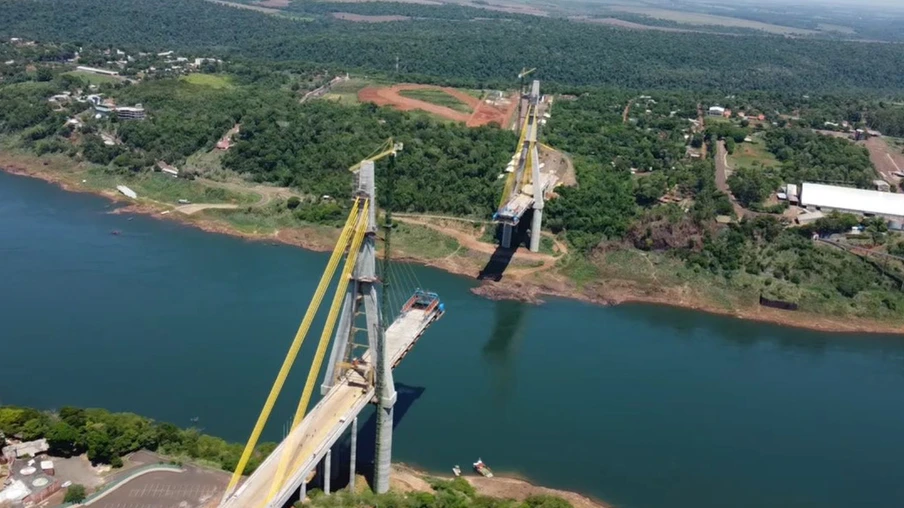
[638,405]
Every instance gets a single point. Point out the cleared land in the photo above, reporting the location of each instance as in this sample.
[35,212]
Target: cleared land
[360,18]
[886,159]
[483,112]
[438,97]
[94,79]
[694,18]
[211,80]
[751,154]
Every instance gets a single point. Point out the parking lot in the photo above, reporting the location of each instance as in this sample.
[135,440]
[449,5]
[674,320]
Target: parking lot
[193,488]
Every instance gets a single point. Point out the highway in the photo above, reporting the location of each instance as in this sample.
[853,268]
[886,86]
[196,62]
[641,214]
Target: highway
[309,442]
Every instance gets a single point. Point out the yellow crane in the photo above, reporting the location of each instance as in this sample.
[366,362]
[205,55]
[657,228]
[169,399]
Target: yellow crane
[389,147]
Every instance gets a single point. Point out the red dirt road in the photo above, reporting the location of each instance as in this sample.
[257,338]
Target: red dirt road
[483,113]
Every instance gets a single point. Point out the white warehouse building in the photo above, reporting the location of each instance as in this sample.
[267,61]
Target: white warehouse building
[826,198]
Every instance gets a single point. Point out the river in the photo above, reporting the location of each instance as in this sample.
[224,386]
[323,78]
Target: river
[641,406]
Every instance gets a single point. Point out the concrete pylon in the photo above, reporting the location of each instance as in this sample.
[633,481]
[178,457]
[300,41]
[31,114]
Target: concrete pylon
[362,298]
[537,222]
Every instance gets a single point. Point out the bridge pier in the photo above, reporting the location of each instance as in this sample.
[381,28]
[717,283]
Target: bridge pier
[507,231]
[535,228]
[303,492]
[354,456]
[327,471]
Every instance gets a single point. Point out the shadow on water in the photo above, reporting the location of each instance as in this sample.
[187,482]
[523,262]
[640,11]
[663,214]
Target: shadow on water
[502,257]
[367,433]
[500,350]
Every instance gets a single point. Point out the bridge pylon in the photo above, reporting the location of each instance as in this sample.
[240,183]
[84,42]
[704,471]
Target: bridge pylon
[360,327]
[525,186]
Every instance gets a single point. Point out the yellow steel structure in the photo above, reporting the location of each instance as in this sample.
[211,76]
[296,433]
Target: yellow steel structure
[389,147]
[350,240]
[300,335]
[325,337]
[510,182]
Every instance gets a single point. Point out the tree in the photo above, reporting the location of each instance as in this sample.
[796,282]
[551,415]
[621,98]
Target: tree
[752,185]
[75,494]
[293,203]
[64,440]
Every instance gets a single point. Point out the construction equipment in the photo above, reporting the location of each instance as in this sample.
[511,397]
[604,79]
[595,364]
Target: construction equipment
[523,74]
[389,147]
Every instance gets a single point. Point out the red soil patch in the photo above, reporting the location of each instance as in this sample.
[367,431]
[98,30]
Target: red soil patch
[483,113]
[358,18]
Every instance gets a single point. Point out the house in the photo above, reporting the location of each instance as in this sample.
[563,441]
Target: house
[166,168]
[716,111]
[130,113]
[95,70]
[28,448]
[881,185]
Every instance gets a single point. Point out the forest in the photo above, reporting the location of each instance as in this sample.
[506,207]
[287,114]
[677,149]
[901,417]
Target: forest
[472,52]
[446,168]
[106,437]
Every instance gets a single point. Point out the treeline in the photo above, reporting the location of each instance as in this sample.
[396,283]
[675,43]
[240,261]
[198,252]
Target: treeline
[808,156]
[106,437]
[446,168]
[480,51]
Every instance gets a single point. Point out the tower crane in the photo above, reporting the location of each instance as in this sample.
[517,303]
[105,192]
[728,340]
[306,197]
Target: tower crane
[389,147]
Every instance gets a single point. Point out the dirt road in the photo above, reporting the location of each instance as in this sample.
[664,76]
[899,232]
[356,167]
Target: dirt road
[886,159]
[481,112]
[723,171]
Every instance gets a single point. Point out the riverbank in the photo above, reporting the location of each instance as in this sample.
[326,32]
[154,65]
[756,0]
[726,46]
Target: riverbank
[408,479]
[530,277]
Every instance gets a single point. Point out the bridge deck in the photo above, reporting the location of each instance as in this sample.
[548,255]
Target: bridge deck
[522,200]
[326,422]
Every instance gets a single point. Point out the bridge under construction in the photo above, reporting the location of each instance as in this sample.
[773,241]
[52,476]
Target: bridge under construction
[359,371]
[526,183]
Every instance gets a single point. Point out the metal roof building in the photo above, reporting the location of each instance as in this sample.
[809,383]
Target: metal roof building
[844,199]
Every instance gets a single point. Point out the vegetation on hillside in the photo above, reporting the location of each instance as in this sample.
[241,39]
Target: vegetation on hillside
[457,493]
[471,51]
[106,436]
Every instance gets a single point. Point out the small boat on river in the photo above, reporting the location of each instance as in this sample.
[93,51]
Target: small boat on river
[457,471]
[483,469]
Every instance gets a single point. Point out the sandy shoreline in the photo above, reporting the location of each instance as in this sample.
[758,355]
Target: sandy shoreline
[610,293]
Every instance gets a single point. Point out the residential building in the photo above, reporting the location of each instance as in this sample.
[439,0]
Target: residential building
[716,111]
[131,113]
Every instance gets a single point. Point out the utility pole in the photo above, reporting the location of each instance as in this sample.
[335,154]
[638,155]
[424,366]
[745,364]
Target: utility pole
[397,65]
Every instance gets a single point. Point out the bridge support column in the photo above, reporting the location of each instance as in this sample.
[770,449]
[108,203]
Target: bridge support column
[354,456]
[384,449]
[303,492]
[327,471]
[535,228]
[507,230]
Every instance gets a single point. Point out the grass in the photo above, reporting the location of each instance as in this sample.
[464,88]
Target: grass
[164,188]
[211,80]
[746,154]
[427,243]
[93,79]
[205,162]
[437,97]
[347,93]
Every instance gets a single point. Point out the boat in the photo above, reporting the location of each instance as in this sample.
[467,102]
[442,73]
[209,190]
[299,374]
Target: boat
[456,470]
[115,232]
[482,468]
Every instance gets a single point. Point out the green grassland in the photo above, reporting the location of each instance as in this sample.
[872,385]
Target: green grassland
[211,80]
[94,79]
[753,154]
[163,188]
[437,97]
[347,93]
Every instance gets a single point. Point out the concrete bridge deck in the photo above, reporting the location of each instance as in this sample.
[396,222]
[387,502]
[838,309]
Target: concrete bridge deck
[309,442]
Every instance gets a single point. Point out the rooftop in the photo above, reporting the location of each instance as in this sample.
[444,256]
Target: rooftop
[859,200]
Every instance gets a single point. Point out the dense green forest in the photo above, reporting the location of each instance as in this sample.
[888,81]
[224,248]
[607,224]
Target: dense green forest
[107,436]
[467,51]
[443,168]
